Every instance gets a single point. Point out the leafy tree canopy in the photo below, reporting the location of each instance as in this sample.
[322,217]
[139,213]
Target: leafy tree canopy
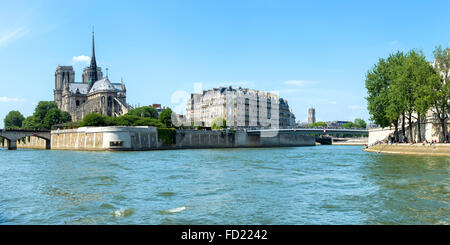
[318,125]
[166,117]
[360,123]
[42,108]
[94,119]
[144,111]
[13,119]
[55,116]
[31,123]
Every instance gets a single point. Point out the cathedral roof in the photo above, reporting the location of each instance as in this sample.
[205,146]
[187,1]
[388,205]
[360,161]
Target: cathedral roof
[103,85]
[81,88]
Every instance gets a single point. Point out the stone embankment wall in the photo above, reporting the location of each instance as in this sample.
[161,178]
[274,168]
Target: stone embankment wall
[416,149]
[350,141]
[146,138]
[216,139]
[379,134]
[31,142]
[105,138]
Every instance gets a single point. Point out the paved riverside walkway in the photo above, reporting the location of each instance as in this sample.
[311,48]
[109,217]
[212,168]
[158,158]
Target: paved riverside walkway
[438,149]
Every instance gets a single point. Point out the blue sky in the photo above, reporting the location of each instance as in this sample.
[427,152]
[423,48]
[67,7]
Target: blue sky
[315,53]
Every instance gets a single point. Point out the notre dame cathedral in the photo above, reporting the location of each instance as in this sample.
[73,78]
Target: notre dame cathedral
[94,94]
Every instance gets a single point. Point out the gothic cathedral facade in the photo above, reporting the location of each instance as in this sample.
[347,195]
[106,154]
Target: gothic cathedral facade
[94,94]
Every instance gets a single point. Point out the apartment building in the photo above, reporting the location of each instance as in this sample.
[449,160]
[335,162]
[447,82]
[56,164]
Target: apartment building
[240,107]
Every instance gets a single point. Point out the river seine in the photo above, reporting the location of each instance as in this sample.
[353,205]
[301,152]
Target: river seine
[298,185]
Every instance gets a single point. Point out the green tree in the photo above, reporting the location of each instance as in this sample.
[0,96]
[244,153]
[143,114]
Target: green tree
[405,86]
[94,119]
[420,75]
[166,117]
[349,125]
[386,100]
[149,122]
[440,88]
[125,120]
[42,108]
[65,117]
[52,117]
[55,116]
[144,111]
[360,123]
[13,119]
[31,123]
[377,85]
[318,125]
[218,123]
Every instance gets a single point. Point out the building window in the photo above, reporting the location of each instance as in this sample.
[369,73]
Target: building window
[116,143]
[77,103]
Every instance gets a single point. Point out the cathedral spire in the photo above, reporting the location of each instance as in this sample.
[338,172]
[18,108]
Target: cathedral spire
[93,61]
[92,71]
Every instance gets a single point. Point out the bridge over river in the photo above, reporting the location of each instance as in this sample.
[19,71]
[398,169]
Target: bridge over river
[323,135]
[13,135]
[312,131]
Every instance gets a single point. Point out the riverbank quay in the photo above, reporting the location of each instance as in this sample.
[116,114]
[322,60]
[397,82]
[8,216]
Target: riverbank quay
[438,149]
[141,138]
[350,141]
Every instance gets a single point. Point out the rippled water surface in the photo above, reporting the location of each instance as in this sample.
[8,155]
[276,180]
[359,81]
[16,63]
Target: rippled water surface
[299,185]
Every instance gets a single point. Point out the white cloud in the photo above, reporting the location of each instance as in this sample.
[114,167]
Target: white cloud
[82,58]
[298,82]
[13,35]
[6,99]
[332,102]
[394,42]
[355,107]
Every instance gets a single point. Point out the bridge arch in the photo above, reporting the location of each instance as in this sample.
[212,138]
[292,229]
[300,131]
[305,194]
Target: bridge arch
[12,136]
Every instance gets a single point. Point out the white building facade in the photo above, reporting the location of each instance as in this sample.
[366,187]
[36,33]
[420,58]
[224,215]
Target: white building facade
[240,107]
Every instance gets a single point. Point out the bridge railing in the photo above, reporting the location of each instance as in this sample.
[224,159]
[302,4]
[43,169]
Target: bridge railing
[307,129]
[24,130]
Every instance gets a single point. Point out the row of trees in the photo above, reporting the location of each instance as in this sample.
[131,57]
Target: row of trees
[46,114]
[142,116]
[357,123]
[405,86]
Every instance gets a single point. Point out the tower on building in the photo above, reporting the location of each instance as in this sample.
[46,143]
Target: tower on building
[92,70]
[311,115]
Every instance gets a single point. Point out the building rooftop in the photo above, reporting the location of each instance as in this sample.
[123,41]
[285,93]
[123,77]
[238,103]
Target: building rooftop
[103,85]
